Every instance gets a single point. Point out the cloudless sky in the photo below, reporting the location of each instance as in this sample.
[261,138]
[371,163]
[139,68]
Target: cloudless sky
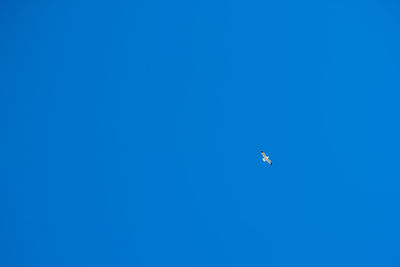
[130,133]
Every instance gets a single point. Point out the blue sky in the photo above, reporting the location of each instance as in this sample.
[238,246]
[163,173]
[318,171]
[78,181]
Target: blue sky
[130,133]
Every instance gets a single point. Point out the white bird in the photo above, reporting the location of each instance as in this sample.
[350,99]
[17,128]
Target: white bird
[266,158]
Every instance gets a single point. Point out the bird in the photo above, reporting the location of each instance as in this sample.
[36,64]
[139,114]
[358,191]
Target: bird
[266,158]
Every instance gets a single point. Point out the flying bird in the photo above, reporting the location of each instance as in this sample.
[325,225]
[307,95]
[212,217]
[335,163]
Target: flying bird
[266,158]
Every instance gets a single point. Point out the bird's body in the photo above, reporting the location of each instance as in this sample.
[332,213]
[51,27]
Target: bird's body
[266,158]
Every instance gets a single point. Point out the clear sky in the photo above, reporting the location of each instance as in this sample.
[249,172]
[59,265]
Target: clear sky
[130,133]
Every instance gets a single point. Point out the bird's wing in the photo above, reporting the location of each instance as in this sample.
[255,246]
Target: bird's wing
[263,154]
[269,161]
